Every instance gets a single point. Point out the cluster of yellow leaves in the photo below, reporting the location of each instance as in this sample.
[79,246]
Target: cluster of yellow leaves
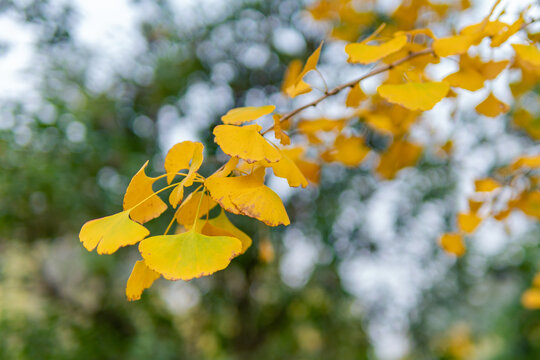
[486,202]
[205,242]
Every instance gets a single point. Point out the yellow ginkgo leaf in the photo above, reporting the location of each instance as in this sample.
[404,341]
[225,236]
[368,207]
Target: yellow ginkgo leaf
[355,96]
[486,185]
[453,244]
[278,131]
[139,189]
[187,212]
[531,299]
[188,255]
[286,168]
[468,222]
[141,278]
[501,37]
[293,70]
[415,96]
[111,233]
[492,107]
[349,151]
[309,169]
[530,204]
[249,196]
[222,226]
[362,53]
[182,156]
[245,142]
[453,45]
[399,155]
[308,127]
[492,69]
[298,86]
[531,162]
[246,114]
[528,53]
[468,79]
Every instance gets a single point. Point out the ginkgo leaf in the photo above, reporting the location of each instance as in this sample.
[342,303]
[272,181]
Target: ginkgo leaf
[246,114]
[453,244]
[414,96]
[141,278]
[245,142]
[292,72]
[355,96]
[530,204]
[278,131]
[468,222]
[528,53]
[182,156]
[188,255]
[502,36]
[349,151]
[486,185]
[222,226]
[362,53]
[298,86]
[453,45]
[324,125]
[187,212]
[139,189]
[468,79]
[286,168]
[111,233]
[492,107]
[492,69]
[249,196]
[399,155]
[531,162]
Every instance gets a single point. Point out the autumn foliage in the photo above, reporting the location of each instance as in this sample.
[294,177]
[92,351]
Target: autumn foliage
[204,240]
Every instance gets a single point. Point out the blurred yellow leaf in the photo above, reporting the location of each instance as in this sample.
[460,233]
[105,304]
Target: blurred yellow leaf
[531,162]
[468,79]
[414,96]
[531,299]
[111,232]
[246,114]
[188,255]
[298,86]
[141,278]
[349,151]
[362,53]
[528,53]
[453,45]
[530,204]
[267,253]
[453,244]
[486,185]
[140,188]
[468,222]
[355,96]
[492,107]
[399,155]
[246,143]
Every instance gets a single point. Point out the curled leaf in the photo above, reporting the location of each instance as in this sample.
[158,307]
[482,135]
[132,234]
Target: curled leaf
[139,189]
[141,278]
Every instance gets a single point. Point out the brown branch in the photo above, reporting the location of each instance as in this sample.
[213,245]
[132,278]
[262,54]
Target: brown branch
[339,88]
